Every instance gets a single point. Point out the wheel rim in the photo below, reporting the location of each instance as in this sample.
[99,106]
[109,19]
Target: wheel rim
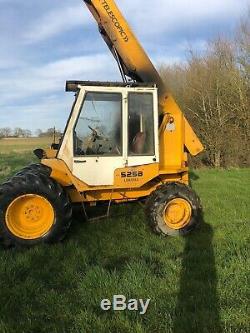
[177,213]
[29,216]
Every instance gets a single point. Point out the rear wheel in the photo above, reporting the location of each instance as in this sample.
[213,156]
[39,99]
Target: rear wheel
[34,209]
[173,209]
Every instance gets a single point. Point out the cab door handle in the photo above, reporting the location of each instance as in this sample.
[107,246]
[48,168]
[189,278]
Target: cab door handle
[80,161]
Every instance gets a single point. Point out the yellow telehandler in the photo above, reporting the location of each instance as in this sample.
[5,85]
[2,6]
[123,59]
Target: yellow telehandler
[123,142]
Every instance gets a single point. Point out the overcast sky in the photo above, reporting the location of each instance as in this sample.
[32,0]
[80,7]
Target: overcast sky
[44,43]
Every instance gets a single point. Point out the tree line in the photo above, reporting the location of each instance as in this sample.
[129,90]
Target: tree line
[18,132]
[213,90]
[7,132]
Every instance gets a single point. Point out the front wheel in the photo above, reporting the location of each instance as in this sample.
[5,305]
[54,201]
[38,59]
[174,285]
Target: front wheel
[174,209]
[34,209]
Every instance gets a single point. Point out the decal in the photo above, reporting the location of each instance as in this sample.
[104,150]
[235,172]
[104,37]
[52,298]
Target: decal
[132,174]
[114,19]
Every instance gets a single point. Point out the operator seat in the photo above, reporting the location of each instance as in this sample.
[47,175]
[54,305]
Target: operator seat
[138,143]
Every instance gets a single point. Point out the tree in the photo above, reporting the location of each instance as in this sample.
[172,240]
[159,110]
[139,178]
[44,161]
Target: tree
[5,132]
[38,132]
[50,132]
[243,44]
[18,132]
[214,95]
[27,133]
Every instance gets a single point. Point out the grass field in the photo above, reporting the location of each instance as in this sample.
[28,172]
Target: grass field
[199,283]
[19,145]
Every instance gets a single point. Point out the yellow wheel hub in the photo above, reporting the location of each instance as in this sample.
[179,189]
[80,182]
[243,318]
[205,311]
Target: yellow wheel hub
[29,216]
[177,213]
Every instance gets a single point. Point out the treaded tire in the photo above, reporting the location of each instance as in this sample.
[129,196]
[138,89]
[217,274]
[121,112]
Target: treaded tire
[35,168]
[158,200]
[33,182]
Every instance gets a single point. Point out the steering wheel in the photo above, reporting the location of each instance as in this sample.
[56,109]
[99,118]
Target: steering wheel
[96,135]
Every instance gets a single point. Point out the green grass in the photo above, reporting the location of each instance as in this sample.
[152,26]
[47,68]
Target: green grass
[199,283]
[22,145]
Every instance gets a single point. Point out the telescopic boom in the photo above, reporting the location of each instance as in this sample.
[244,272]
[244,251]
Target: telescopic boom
[134,63]
[127,50]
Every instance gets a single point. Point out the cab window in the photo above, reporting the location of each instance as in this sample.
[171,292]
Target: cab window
[140,124]
[98,130]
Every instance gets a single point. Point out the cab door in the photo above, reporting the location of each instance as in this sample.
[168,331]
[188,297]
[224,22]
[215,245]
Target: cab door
[142,141]
[98,145]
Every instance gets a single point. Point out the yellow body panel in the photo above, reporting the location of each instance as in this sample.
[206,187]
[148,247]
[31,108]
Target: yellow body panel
[191,141]
[114,194]
[130,177]
[135,177]
[50,153]
[122,190]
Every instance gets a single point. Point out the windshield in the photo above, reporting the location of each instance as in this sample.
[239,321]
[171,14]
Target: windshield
[98,129]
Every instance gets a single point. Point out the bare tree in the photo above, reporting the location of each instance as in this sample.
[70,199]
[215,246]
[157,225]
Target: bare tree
[27,133]
[214,95]
[5,132]
[18,132]
[38,132]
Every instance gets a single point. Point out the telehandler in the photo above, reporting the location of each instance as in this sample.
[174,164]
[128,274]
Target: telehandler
[123,142]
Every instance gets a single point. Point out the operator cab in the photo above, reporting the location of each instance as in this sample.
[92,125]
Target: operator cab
[112,126]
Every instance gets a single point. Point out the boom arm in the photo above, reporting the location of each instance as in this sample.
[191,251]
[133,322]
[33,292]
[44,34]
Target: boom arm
[135,63]
[123,44]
